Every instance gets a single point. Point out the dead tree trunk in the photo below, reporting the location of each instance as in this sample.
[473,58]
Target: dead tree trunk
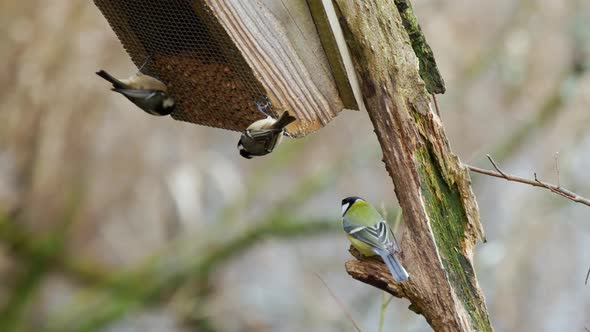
[431,184]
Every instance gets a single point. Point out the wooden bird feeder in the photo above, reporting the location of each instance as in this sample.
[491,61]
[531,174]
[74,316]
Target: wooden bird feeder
[222,57]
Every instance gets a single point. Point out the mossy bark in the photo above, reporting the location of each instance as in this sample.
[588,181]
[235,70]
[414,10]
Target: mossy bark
[432,186]
[428,68]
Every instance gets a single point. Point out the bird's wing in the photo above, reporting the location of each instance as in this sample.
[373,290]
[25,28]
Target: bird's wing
[137,94]
[395,247]
[378,236]
[391,241]
[146,82]
[267,137]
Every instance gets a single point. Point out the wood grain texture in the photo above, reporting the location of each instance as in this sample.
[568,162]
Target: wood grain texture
[279,42]
[432,186]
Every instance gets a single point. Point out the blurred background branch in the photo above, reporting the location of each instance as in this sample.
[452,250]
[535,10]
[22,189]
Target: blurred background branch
[157,280]
[557,189]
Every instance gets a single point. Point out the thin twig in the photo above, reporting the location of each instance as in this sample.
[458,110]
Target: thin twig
[147,60]
[557,168]
[384,305]
[587,275]
[340,303]
[435,104]
[536,182]
[496,166]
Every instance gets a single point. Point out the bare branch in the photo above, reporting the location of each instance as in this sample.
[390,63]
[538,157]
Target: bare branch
[496,166]
[587,275]
[557,189]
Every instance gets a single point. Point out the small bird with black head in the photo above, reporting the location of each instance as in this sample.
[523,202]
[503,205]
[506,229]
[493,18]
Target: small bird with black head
[262,136]
[370,234]
[146,92]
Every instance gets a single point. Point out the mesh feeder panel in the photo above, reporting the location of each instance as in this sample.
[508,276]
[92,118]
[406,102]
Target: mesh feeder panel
[190,52]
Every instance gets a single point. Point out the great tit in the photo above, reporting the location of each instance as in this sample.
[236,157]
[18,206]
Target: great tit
[148,93]
[262,136]
[369,233]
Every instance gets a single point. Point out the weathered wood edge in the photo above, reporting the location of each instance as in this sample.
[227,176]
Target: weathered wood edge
[330,45]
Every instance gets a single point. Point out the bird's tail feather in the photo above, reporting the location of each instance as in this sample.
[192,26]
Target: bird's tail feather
[116,83]
[284,120]
[398,272]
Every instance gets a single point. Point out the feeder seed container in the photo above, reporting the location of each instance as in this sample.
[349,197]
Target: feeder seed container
[222,57]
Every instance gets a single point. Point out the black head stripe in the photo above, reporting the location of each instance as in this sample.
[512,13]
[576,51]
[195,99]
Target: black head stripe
[350,200]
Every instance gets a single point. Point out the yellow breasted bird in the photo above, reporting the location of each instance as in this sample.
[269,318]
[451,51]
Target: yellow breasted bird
[369,233]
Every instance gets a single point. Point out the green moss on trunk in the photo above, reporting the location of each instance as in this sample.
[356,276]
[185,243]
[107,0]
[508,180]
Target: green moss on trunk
[428,68]
[448,221]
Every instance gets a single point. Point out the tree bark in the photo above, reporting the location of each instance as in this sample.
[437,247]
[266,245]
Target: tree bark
[431,184]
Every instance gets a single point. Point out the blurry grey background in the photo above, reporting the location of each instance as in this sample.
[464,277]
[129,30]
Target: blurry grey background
[110,216]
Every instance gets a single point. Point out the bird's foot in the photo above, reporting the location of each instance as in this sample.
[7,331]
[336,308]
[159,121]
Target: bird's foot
[262,105]
[147,60]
